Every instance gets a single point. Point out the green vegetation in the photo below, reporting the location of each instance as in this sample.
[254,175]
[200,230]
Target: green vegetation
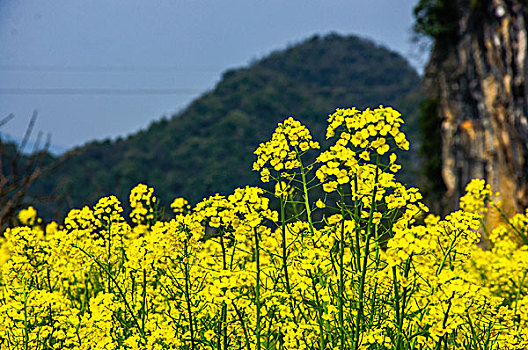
[207,147]
[430,131]
[436,19]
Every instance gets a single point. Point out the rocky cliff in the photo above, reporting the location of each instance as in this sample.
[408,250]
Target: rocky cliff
[478,76]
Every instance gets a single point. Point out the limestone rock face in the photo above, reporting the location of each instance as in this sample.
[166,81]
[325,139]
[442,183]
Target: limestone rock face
[480,80]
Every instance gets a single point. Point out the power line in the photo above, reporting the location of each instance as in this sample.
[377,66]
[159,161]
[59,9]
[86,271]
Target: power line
[55,68]
[93,92]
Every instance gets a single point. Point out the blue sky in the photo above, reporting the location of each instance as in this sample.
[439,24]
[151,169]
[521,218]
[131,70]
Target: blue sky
[105,68]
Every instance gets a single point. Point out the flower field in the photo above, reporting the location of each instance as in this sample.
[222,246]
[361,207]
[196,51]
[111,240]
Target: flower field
[336,255]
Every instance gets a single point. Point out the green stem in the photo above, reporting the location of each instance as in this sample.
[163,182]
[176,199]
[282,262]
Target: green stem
[223,322]
[188,298]
[359,316]
[225,326]
[357,217]
[341,275]
[246,336]
[400,310]
[373,302]
[224,259]
[442,263]
[285,253]
[26,335]
[399,316]
[446,316]
[363,267]
[284,245]
[522,235]
[257,289]
[134,318]
[144,301]
[319,312]
[519,291]
[109,254]
[306,199]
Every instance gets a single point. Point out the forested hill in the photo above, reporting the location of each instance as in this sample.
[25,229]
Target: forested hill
[208,147]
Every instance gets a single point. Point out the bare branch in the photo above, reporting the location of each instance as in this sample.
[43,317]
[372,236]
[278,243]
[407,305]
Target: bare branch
[6,119]
[29,130]
[18,172]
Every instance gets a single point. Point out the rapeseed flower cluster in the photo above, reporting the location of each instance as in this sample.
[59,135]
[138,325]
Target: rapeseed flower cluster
[290,140]
[143,203]
[340,255]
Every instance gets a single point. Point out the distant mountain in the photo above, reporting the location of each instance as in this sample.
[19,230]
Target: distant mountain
[208,147]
